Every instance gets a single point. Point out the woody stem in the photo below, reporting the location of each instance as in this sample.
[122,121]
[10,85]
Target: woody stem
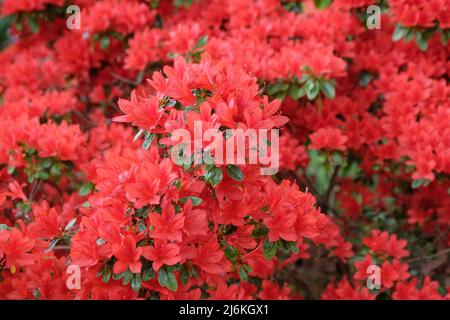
[331,185]
[437,254]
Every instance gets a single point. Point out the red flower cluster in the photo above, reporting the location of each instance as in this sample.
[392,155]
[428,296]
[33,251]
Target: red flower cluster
[421,13]
[87,177]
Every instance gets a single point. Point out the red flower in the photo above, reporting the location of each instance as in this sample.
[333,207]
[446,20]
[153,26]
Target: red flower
[281,225]
[167,225]
[242,238]
[381,242]
[63,142]
[145,113]
[196,220]
[162,253]
[16,6]
[392,272]
[328,138]
[409,291]
[362,268]
[15,191]
[150,180]
[344,290]
[80,187]
[128,256]
[210,258]
[16,248]
[272,291]
[232,292]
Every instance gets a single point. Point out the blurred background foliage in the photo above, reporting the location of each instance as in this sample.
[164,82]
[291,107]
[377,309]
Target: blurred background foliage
[5,24]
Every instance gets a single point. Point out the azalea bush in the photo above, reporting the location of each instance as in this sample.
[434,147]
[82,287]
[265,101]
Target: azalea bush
[88,115]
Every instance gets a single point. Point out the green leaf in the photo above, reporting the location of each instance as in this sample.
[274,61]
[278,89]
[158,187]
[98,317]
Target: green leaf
[305,77]
[281,95]
[117,35]
[19,26]
[172,282]
[419,182]
[127,277]
[194,272]
[214,176]
[136,282]
[42,175]
[32,22]
[243,274]
[399,33]
[292,246]
[296,7]
[70,224]
[409,35]
[105,42]
[86,189]
[421,41]
[260,232]
[184,275]
[416,184]
[163,278]
[52,245]
[148,274]
[444,37]
[172,55]
[47,163]
[277,87]
[86,204]
[3,227]
[234,172]
[365,78]
[312,89]
[296,92]
[248,268]
[167,279]
[217,176]
[149,137]
[195,200]
[201,42]
[269,249]
[140,132]
[231,253]
[182,3]
[118,276]
[187,166]
[322,4]
[56,170]
[106,275]
[178,183]
[327,88]
[140,76]
[30,151]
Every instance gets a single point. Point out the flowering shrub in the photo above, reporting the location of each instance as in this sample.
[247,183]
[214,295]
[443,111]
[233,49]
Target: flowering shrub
[87,124]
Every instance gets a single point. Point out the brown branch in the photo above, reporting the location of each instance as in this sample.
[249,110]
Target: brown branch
[305,181]
[61,248]
[331,185]
[124,80]
[85,118]
[37,184]
[437,254]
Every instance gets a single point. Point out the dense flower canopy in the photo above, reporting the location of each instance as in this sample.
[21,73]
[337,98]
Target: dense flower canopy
[88,115]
